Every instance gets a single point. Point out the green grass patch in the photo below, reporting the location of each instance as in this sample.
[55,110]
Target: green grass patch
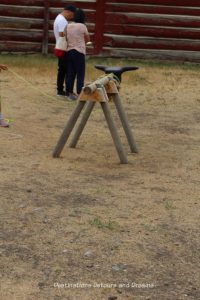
[169,205]
[99,223]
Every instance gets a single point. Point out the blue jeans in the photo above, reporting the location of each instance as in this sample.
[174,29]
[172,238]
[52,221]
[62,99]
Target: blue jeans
[75,70]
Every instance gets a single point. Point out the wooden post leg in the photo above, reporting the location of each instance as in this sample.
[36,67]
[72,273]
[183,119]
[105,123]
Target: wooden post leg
[114,133]
[68,129]
[82,124]
[125,124]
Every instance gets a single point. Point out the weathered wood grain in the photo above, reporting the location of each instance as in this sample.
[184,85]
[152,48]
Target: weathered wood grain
[151,43]
[171,55]
[21,11]
[153,31]
[24,2]
[152,25]
[10,46]
[15,22]
[153,9]
[161,2]
[99,25]
[91,4]
[153,20]
[22,35]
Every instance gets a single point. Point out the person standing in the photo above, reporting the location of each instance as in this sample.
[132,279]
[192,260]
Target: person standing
[77,37]
[59,27]
[3,123]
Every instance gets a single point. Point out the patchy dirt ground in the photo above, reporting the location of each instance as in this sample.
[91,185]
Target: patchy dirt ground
[85,227]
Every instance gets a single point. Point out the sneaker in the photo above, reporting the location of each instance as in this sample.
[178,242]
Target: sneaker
[3,123]
[61,94]
[72,97]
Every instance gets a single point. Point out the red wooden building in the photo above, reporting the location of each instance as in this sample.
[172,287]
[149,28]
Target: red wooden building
[163,29]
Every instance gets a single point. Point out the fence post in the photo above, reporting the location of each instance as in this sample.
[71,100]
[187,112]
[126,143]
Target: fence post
[99,25]
[45,28]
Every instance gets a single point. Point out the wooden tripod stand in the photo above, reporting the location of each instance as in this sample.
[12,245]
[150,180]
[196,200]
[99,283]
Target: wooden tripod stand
[100,91]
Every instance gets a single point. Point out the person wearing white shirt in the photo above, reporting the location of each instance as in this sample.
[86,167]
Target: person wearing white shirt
[59,27]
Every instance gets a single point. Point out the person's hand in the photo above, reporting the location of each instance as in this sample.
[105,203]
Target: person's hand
[3,67]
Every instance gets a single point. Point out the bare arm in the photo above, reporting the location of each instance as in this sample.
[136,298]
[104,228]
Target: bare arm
[87,38]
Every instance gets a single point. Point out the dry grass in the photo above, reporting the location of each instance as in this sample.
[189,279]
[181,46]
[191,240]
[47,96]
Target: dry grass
[84,218]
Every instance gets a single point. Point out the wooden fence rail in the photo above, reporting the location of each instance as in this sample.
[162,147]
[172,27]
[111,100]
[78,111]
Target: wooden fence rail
[164,29]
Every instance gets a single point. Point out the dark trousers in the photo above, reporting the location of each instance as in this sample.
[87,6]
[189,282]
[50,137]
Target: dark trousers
[62,71]
[75,70]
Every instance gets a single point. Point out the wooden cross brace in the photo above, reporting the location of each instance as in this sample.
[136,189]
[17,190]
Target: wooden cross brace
[100,91]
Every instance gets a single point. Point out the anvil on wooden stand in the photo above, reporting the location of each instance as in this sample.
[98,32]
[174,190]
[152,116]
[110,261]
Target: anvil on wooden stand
[102,91]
